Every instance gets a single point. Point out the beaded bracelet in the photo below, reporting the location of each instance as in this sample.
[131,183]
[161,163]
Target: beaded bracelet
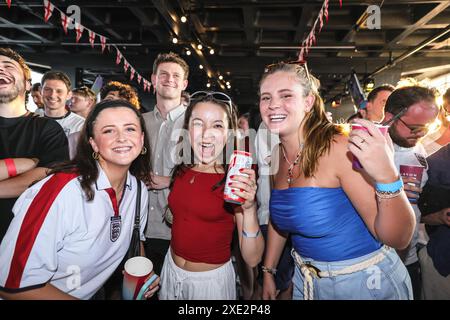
[272,271]
[388,195]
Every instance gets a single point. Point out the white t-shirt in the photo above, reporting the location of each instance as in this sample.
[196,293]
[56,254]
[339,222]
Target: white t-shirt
[58,237]
[70,123]
[413,156]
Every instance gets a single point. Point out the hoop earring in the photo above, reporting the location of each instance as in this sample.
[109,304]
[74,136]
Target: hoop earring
[95,155]
[144,150]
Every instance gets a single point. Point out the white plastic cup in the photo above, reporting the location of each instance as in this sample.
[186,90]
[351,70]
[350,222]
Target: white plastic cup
[135,278]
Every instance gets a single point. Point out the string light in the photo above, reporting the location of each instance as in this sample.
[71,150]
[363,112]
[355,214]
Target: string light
[175,40]
[211,52]
[220,77]
[200,66]
[188,52]
[183,19]
[208,85]
[199,47]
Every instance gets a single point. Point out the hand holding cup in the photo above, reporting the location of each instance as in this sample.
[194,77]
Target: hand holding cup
[373,149]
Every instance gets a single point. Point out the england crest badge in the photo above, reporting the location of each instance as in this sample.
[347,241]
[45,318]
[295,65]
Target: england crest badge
[115,227]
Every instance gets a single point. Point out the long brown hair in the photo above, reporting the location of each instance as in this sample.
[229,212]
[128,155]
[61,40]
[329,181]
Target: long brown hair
[317,130]
[86,166]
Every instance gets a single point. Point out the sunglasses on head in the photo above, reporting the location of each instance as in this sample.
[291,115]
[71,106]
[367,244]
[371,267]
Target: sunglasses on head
[218,96]
[301,63]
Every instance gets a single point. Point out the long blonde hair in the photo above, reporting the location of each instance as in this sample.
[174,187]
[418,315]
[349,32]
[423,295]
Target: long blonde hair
[317,130]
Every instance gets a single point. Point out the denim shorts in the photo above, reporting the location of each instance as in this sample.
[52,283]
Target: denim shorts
[386,280]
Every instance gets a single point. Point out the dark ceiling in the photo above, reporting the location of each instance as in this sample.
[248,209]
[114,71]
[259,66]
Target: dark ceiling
[246,36]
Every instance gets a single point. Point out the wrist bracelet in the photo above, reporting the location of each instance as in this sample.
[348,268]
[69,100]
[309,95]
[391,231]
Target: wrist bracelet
[388,195]
[11,167]
[272,271]
[389,187]
[251,234]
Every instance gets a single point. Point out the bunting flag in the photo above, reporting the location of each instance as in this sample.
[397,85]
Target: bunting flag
[92,38]
[118,57]
[103,42]
[301,54]
[64,21]
[320,19]
[8,2]
[48,6]
[340,3]
[79,31]
[311,38]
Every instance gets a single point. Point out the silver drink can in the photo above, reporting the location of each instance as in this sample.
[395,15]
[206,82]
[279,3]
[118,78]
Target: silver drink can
[239,160]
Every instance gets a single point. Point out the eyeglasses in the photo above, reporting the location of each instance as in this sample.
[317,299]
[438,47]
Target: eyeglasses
[301,63]
[415,129]
[218,96]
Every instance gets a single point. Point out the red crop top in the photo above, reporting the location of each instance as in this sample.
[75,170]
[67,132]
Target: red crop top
[203,222]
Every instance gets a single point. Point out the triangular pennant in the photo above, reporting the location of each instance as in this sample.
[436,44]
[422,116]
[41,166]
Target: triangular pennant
[8,2]
[139,78]
[79,30]
[92,38]
[301,55]
[125,65]
[103,42]
[340,3]
[132,71]
[325,12]
[145,85]
[48,6]
[118,57]
[320,19]
[64,21]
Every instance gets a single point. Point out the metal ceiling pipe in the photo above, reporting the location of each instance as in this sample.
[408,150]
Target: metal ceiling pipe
[409,53]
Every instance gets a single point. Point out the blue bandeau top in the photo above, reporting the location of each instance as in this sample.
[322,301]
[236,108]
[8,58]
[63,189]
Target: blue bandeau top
[323,223]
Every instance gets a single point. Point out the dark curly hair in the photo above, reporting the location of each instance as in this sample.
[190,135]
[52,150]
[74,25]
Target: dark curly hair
[126,92]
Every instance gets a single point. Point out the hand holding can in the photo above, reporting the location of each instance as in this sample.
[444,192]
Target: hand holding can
[239,160]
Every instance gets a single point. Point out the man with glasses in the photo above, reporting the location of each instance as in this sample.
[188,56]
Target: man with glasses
[436,140]
[410,111]
[170,79]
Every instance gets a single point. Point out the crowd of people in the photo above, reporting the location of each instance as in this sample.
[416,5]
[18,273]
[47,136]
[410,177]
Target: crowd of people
[311,225]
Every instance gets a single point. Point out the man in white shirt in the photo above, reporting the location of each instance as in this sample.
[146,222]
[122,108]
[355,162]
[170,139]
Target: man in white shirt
[169,78]
[414,108]
[55,92]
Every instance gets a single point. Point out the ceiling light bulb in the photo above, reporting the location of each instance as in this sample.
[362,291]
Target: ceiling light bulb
[183,19]
[199,47]
[200,66]
[208,85]
[211,51]
[220,77]
[188,52]
[228,83]
[175,40]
